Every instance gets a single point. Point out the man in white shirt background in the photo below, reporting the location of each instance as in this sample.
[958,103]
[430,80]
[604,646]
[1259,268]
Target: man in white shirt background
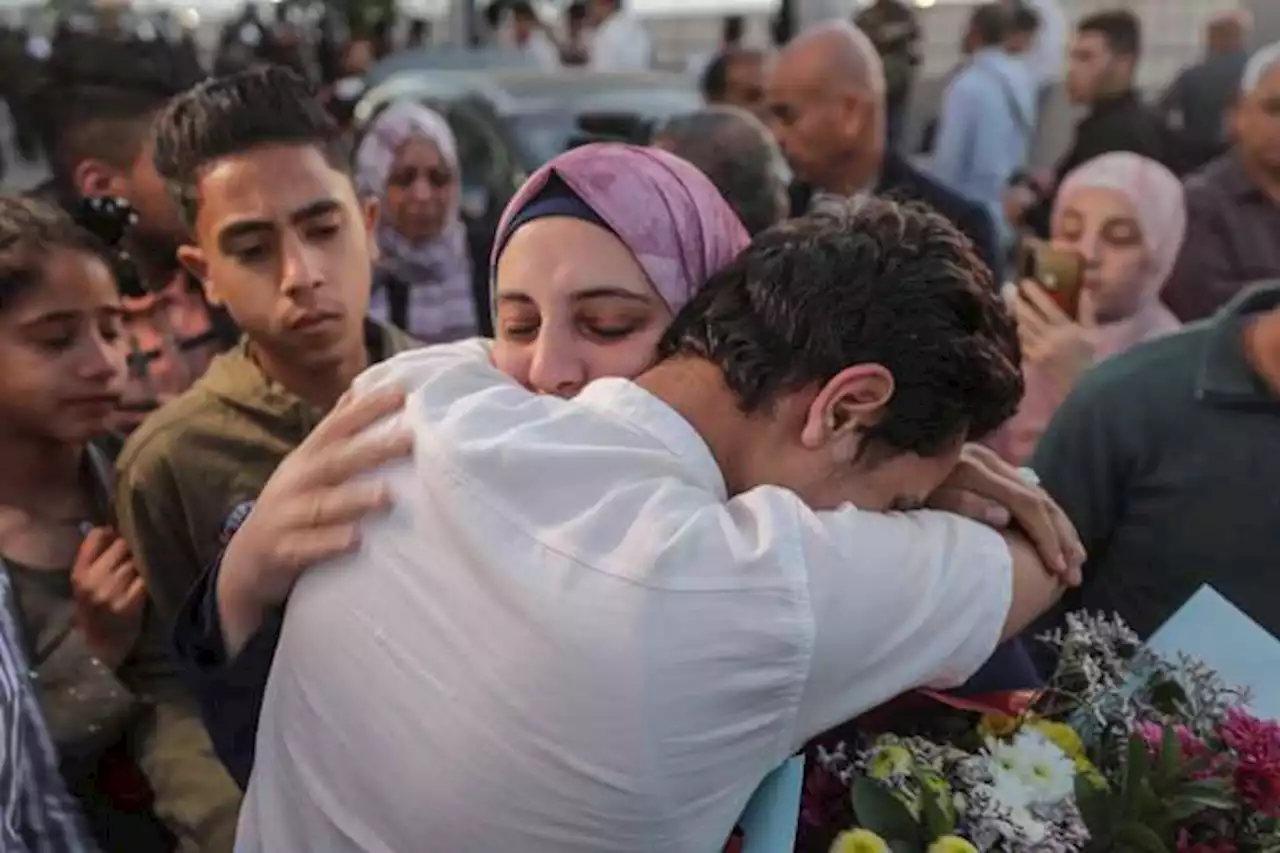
[595,624]
[619,41]
[528,35]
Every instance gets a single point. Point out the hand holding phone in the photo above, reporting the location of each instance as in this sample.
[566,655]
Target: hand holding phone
[1062,346]
[1060,273]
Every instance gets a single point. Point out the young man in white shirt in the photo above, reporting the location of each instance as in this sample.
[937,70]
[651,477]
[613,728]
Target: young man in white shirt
[595,624]
[619,41]
[529,37]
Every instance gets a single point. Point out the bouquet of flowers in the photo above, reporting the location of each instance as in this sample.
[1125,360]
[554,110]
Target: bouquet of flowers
[1123,751]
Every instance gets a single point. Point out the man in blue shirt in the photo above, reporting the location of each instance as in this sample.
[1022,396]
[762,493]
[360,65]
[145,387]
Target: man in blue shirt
[37,815]
[987,119]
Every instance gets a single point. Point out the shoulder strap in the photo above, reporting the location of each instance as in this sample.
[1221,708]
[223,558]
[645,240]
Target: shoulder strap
[1010,99]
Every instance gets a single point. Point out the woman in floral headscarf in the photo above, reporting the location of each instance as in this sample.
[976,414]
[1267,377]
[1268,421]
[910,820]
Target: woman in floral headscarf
[408,159]
[1126,215]
[593,257]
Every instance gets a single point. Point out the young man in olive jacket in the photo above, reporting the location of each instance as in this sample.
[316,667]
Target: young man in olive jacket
[282,241]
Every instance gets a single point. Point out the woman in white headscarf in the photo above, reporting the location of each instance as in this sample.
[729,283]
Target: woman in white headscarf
[408,159]
[1125,214]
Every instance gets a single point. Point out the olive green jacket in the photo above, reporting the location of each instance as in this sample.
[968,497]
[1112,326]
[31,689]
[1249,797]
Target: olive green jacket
[189,474]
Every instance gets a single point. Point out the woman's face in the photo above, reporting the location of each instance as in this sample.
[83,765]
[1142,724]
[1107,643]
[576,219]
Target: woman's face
[62,351]
[1102,225]
[563,321]
[421,190]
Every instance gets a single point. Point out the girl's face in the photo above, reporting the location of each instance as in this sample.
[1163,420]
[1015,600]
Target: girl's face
[562,323]
[1102,225]
[62,351]
[421,190]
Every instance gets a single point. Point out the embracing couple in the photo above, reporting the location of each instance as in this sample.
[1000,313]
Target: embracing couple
[580,588]
[596,623]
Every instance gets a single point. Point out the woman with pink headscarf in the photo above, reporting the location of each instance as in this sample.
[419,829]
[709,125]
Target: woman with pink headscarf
[593,257]
[1126,216]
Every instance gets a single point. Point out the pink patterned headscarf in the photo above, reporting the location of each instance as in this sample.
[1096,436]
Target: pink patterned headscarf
[663,209]
[1157,199]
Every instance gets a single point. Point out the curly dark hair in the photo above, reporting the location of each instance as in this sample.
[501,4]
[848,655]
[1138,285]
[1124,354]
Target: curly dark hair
[218,118]
[29,231]
[884,283]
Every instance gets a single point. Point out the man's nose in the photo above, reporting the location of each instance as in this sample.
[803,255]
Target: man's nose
[556,369]
[300,266]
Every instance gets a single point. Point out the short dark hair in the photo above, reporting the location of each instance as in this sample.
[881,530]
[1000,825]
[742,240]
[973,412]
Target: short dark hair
[229,115]
[1024,19]
[737,152]
[1120,29]
[523,9]
[29,231]
[885,283]
[100,95]
[715,77]
[991,23]
[732,29]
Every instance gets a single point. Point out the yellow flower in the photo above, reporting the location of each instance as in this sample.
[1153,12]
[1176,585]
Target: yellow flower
[952,844]
[998,725]
[1062,736]
[890,762]
[860,841]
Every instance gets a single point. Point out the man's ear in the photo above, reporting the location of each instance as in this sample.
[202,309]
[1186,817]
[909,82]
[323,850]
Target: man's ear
[851,400]
[372,210]
[92,178]
[193,261]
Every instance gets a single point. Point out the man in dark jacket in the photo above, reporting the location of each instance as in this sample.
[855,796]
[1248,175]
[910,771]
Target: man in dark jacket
[826,101]
[1101,73]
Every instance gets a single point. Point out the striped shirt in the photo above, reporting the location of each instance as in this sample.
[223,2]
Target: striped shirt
[37,815]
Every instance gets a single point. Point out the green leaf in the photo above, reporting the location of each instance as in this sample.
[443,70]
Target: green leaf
[878,810]
[1180,809]
[1209,789]
[1137,767]
[1094,804]
[938,820]
[1140,839]
[1170,756]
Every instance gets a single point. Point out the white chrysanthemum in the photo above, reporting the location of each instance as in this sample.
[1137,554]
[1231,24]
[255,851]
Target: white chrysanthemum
[1043,769]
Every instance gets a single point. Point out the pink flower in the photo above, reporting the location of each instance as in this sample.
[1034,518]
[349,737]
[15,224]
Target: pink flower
[1192,746]
[1256,744]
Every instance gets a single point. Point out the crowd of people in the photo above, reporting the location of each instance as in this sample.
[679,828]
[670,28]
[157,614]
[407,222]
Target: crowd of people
[589,519]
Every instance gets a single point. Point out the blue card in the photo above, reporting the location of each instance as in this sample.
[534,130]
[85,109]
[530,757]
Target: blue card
[770,820]
[1214,630]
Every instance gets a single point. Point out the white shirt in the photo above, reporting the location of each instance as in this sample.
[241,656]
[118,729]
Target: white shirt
[621,43]
[540,51]
[565,638]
